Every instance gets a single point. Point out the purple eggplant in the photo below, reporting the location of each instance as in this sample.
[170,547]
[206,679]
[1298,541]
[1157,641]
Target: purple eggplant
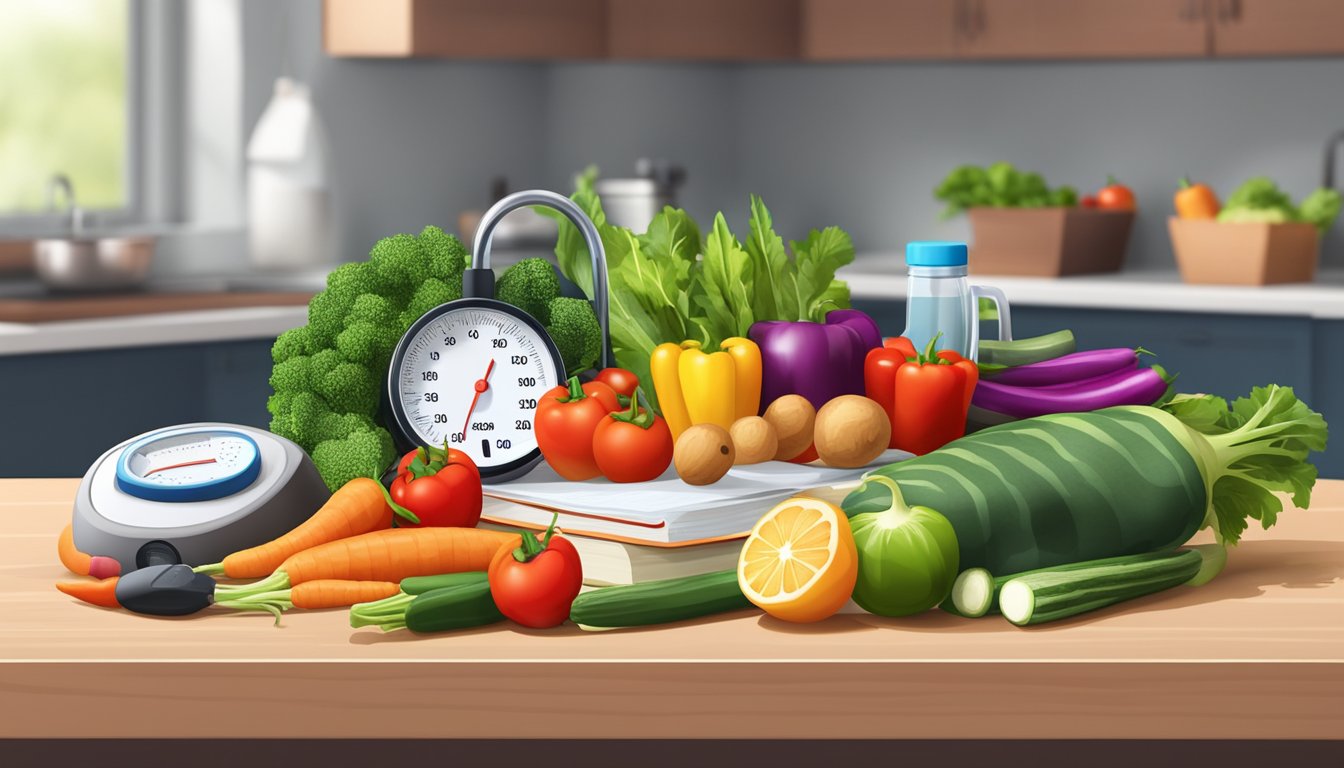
[819,361]
[1070,368]
[1138,387]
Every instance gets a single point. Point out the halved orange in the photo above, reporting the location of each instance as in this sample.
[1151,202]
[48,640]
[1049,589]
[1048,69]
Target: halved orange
[799,562]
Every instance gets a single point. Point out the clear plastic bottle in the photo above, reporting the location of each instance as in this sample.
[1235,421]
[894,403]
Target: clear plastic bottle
[939,299]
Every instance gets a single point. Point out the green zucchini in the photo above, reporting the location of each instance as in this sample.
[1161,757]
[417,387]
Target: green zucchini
[972,594]
[659,602]
[459,607]
[1026,351]
[1057,593]
[418,585]
[1072,487]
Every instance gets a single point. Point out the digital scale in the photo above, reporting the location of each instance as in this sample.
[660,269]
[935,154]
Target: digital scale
[192,494]
[469,373]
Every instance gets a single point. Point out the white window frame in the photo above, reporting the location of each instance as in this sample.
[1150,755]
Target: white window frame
[139,39]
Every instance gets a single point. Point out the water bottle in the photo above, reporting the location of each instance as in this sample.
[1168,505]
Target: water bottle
[939,299]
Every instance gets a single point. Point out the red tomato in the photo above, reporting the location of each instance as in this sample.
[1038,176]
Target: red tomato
[564,423]
[442,489]
[619,379]
[1116,197]
[1088,201]
[634,445]
[807,456]
[535,584]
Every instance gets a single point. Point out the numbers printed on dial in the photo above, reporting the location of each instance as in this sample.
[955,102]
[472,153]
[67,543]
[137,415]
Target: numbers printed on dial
[482,355]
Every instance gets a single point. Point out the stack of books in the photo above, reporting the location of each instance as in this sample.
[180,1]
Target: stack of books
[662,529]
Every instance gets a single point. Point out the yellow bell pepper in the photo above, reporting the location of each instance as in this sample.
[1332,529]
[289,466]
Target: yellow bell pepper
[695,387]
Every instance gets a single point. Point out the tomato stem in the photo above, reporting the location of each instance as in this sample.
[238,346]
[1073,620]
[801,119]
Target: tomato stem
[531,547]
[576,392]
[640,417]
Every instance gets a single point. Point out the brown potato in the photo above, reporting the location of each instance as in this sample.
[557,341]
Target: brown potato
[851,431]
[703,454]
[793,418]
[754,439]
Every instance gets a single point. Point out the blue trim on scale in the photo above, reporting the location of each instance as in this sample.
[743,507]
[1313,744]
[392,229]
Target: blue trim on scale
[130,483]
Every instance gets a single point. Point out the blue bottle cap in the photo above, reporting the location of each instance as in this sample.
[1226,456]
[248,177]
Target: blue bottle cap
[935,253]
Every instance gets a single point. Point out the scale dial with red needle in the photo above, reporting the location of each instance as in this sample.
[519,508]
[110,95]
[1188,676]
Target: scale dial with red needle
[189,466]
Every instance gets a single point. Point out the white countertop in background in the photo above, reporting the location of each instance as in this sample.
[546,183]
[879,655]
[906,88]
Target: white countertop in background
[882,276]
[150,330]
[871,276]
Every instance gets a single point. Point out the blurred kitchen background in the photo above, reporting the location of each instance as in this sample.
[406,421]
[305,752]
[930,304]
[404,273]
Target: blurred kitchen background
[383,117]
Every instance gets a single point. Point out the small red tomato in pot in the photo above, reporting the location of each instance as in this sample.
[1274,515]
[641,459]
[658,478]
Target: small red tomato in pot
[564,423]
[622,381]
[441,486]
[536,583]
[634,445]
[1088,201]
[1116,196]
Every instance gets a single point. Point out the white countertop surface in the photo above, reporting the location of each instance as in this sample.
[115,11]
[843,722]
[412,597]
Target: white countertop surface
[150,330]
[882,276]
[871,276]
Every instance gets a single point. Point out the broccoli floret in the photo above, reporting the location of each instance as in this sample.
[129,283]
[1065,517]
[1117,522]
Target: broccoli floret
[1321,208]
[371,308]
[293,375]
[429,295]
[448,257]
[530,285]
[365,453]
[368,343]
[576,332]
[327,377]
[338,426]
[321,363]
[400,266]
[290,344]
[351,388]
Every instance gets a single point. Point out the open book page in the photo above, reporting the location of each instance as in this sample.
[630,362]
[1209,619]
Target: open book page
[678,510]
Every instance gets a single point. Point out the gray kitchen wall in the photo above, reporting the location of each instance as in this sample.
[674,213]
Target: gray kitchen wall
[857,145]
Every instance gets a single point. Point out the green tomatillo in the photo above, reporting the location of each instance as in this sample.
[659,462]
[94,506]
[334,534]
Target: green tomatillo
[908,556]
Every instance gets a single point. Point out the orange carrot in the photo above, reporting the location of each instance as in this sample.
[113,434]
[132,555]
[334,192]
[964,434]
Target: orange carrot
[357,508]
[73,560]
[80,563]
[103,593]
[390,555]
[340,593]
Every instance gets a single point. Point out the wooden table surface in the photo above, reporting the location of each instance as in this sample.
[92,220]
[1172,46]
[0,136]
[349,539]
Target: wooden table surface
[1259,653]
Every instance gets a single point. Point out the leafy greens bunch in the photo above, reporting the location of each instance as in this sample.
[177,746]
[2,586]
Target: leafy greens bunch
[998,186]
[670,284]
[1260,199]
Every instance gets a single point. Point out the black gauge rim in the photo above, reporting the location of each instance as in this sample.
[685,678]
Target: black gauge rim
[404,432]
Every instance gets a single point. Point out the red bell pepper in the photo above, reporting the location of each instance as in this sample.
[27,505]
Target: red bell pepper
[879,379]
[932,395]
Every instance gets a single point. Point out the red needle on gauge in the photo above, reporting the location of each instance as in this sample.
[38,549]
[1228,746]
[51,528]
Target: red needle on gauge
[482,384]
[178,466]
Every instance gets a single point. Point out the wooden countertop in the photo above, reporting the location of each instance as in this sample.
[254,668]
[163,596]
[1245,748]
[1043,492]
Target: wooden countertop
[1259,653]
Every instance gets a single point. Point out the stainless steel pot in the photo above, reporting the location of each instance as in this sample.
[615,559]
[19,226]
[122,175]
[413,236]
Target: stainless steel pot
[101,264]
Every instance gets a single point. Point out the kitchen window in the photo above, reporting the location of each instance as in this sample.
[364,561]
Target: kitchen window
[68,105]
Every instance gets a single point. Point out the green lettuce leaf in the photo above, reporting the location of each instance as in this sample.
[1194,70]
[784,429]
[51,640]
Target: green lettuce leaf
[728,272]
[817,258]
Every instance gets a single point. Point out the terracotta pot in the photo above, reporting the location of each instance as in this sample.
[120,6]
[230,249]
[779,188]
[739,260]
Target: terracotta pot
[1244,253]
[1048,242]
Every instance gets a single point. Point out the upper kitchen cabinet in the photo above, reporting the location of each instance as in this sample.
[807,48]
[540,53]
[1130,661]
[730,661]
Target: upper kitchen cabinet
[719,30]
[843,30]
[475,29]
[1082,29]
[1278,27]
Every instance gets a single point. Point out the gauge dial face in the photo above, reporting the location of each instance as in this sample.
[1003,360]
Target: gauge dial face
[189,466]
[470,375]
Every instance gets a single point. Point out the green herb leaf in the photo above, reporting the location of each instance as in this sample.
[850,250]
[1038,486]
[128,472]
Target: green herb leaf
[776,288]
[571,253]
[817,258]
[728,277]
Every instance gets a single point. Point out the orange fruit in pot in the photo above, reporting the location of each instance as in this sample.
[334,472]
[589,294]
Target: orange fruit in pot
[799,562]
